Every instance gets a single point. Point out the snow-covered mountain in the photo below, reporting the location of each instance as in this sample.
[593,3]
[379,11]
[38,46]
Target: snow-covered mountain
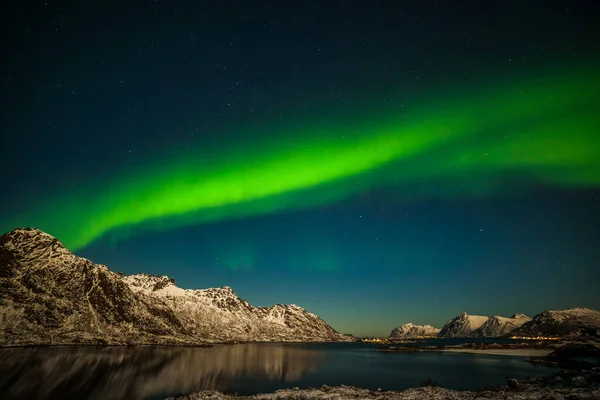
[410,330]
[202,312]
[572,322]
[50,296]
[463,325]
[500,326]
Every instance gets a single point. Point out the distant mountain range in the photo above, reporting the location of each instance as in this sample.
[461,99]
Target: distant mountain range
[410,331]
[50,296]
[563,323]
[466,325]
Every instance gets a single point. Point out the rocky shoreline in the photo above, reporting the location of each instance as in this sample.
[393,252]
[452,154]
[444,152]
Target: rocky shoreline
[581,380]
[571,355]
[570,384]
[412,347]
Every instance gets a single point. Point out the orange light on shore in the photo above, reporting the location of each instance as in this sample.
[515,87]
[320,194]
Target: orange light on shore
[373,340]
[535,337]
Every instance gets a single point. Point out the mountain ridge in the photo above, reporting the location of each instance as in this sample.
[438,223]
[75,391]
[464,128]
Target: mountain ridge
[500,326]
[569,322]
[552,323]
[50,296]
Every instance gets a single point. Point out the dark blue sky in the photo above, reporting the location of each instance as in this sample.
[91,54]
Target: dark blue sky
[94,90]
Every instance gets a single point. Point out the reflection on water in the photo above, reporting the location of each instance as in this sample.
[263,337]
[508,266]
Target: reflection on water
[159,372]
[144,372]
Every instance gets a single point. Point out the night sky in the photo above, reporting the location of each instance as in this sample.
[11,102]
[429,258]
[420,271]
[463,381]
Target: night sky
[377,163]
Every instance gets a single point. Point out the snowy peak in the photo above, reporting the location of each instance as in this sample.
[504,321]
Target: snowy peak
[571,322]
[500,326]
[411,330]
[463,325]
[466,325]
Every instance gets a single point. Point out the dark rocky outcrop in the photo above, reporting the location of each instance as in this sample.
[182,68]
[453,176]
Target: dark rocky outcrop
[576,355]
[575,322]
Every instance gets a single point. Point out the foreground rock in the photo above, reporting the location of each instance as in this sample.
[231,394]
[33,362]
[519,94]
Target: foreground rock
[50,296]
[413,331]
[568,385]
[574,356]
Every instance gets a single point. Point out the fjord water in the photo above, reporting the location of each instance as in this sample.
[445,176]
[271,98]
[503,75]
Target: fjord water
[158,372]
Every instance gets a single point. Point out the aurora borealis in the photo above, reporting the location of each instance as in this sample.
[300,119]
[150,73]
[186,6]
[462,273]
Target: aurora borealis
[536,133]
[189,151]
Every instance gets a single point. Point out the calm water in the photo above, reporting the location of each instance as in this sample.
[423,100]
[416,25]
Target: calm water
[155,373]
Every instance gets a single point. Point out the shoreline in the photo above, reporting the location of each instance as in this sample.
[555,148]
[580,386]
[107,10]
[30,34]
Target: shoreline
[208,344]
[511,349]
[61,346]
[566,385]
[503,352]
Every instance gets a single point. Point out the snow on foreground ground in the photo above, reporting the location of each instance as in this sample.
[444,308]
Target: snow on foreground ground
[349,392]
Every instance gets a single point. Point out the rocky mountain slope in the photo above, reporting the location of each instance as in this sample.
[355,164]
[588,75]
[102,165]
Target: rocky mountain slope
[203,311]
[50,296]
[410,330]
[572,322]
[500,326]
[463,325]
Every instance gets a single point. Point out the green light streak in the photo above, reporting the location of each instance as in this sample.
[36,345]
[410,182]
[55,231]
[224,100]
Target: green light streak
[546,126]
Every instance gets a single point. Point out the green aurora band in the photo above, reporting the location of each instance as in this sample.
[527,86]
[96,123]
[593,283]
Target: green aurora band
[542,130]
